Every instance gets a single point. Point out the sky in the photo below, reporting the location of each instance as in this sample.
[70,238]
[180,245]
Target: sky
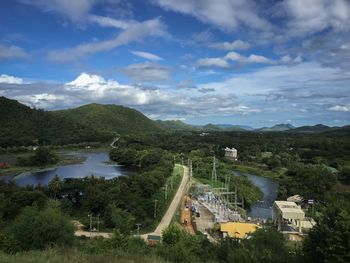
[241,62]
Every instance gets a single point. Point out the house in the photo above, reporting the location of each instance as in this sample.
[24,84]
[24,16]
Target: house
[289,216]
[231,153]
[237,229]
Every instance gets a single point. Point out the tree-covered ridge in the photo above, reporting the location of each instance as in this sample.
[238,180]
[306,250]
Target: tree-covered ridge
[109,118]
[22,125]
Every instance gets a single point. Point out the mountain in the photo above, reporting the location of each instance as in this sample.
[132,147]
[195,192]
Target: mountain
[22,125]
[231,127]
[175,125]
[277,127]
[313,129]
[110,119]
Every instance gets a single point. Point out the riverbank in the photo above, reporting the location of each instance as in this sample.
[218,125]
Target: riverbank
[278,174]
[65,158]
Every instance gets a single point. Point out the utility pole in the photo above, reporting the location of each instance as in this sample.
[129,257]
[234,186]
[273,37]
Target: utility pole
[98,223]
[155,208]
[235,197]
[182,161]
[138,228]
[90,217]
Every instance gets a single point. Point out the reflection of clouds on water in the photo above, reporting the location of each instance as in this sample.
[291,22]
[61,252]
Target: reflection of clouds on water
[94,164]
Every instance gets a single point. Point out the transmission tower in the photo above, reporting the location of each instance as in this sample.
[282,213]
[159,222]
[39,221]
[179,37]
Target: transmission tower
[213,173]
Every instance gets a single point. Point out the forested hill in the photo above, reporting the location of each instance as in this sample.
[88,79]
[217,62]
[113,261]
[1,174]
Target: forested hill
[110,118]
[22,125]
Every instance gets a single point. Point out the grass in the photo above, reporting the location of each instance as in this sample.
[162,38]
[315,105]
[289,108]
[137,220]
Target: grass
[278,174]
[57,255]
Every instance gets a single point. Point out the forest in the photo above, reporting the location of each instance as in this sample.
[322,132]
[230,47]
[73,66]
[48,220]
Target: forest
[314,165]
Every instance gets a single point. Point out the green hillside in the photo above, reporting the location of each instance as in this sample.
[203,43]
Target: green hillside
[175,125]
[22,125]
[110,119]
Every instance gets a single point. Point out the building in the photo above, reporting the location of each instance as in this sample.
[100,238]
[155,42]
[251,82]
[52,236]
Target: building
[289,216]
[237,229]
[231,153]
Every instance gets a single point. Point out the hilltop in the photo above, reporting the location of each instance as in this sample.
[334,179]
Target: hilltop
[22,125]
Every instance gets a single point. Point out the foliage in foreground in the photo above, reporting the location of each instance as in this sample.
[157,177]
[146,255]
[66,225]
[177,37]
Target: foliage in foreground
[37,229]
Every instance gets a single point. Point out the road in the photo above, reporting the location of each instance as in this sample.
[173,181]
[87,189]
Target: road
[112,143]
[166,220]
[80,233]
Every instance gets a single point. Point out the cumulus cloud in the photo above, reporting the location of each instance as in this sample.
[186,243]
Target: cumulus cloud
[344,108]
[146,55]
[224,14]
[10,79]
[235,45]
[310,16]
[233,56]
[12,52]
[136,32]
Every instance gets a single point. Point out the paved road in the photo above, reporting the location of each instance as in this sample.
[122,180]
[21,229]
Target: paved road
[166,220]
[114,141]
[80,233]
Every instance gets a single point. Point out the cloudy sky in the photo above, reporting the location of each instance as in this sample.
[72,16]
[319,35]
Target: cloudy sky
[248,62]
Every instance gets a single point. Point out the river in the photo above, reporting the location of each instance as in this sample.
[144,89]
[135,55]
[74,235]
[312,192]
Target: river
[269,188]
[94,164]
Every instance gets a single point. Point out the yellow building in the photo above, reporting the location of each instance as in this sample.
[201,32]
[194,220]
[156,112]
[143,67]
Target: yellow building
[237,229]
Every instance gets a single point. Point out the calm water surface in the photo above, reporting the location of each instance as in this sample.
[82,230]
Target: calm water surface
[269,188]
[95,164]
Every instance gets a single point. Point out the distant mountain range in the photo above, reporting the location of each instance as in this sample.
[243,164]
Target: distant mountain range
[22,125]
[277,127]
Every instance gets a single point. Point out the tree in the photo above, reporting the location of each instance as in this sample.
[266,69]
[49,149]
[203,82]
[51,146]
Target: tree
[37,229]
[2,205]
[329,240]
[55,186]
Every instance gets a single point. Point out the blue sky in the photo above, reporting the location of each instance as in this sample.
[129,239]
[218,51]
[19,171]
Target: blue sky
[246,62]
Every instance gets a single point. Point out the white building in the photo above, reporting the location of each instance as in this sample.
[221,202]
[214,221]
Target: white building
[231,153]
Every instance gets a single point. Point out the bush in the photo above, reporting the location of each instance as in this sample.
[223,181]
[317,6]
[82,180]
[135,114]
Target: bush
[37,229]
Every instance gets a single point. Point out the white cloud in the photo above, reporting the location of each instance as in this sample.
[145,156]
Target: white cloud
[225,14]
[75,10]
[310,16]
[44,100]
[234,56]
[288,59]
[343,108]
[235,45]
[12,52]
[110,22]
[146,55]
[85,79]
[10,79]
[136,32]
[147,72]
[212,62]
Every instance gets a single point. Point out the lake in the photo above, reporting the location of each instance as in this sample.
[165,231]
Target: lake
[269,188]
[94,164]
